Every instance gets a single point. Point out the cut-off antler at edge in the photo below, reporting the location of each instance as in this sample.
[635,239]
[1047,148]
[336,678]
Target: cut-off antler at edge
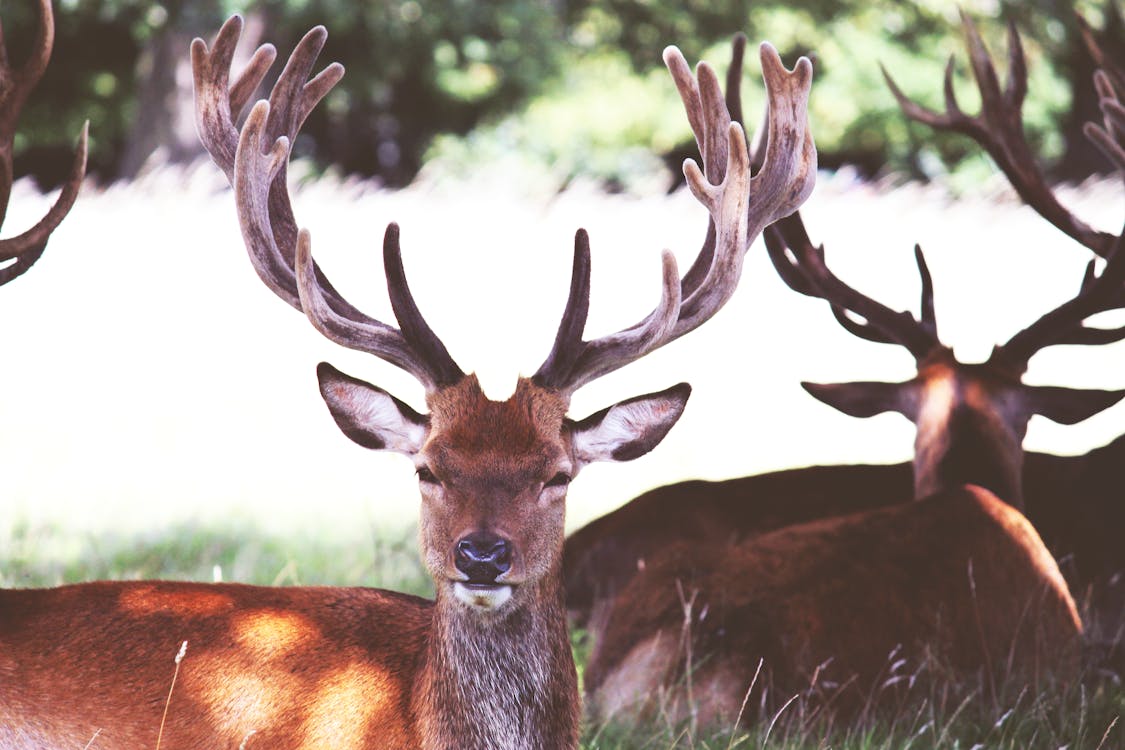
[255,158]
[802,265]
[16,83]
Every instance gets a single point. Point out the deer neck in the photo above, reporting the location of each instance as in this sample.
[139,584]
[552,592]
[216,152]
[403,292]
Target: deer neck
[504,680]
[963,439]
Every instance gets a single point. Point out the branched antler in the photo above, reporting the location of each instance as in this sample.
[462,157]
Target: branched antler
[802,266]
[255,161]
[255,157]
[999,130]
[739,205]
[15,86]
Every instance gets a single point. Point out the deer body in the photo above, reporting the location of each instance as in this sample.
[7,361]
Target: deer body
[1074,503]
[276,667]
[830,605]
[954,574]
[487,664]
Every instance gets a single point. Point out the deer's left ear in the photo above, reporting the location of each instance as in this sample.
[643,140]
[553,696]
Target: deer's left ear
[629,429]
[1068,405]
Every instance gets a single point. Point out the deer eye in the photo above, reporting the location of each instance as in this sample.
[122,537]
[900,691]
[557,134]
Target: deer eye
[561,479]
[426,476]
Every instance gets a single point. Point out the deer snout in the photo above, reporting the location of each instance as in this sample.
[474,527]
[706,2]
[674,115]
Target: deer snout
[483,556]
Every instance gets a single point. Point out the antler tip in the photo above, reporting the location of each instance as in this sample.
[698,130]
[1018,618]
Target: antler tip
[671,53]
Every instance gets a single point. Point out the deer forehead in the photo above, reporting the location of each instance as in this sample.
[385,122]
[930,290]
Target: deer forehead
[948,386]
[521,435]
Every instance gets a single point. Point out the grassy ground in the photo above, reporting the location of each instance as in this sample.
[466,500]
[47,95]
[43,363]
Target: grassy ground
[1087,715]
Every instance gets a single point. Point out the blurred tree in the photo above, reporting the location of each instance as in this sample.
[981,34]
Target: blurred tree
[418,69]
[415,68]
[849,38]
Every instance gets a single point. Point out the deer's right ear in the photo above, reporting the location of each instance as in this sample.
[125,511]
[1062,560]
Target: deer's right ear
[866,398]
[629,429]
[369,415]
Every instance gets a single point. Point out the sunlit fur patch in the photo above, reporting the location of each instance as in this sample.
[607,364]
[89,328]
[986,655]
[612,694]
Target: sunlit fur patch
[345,703]
[148,600]
[272,634]
[483,599]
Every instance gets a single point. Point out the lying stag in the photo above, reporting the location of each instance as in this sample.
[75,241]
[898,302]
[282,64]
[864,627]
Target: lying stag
[1074,502]
[959,579]
[486,665]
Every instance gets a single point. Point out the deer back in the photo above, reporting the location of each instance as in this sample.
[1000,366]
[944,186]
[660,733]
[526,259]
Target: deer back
[958,583]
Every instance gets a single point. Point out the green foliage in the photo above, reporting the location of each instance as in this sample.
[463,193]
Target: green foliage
[416,69]
[613,66]
[566,89]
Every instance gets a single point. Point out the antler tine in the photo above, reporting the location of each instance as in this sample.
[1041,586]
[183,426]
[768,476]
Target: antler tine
[19,83]
[217,101]
[1102,61]
[738,205]
[802,267]
[1064,324]
[1111,137]
[706,114]
[255,160]
[1098,293]
[292,98]
[15,86]
[999,130]
[429,362]
[35,238]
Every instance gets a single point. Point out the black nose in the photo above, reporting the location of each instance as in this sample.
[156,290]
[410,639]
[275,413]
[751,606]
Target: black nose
[483,557]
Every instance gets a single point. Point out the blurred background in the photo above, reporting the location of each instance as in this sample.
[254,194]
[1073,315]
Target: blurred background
[572,87]
[151,380]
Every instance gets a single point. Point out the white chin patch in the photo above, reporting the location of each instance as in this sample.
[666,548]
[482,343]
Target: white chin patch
[481,597]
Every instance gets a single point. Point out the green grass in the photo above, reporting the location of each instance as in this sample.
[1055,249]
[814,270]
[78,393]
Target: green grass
[1084,716]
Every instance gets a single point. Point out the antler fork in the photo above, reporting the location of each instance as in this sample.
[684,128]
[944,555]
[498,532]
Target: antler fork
[739,205]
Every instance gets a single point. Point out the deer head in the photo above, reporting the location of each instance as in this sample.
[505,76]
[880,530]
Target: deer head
[19,253]
[493,474]
[972,418]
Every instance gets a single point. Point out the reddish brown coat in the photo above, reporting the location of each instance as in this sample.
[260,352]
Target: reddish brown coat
[960,576]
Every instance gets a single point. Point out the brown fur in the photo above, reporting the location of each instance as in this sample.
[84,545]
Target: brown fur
[324,667]
[971,422]
[1075,503]
[299,667]
[960,576]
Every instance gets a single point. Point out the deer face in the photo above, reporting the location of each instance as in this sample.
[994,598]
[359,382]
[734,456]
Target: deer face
[971,419]
[493,475]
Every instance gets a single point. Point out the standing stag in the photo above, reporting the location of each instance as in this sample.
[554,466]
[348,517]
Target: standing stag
[1074,502]
[486,665]
[957,580]
[19,253]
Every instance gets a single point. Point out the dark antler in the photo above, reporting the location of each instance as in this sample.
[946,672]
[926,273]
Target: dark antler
[999,130]
[15,86]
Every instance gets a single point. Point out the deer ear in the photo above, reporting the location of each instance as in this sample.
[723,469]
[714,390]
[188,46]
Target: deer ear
[369,415]
[1068,405]
[629,429]
[866,399]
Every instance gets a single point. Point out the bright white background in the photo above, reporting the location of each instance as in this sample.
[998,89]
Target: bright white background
[149,377]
